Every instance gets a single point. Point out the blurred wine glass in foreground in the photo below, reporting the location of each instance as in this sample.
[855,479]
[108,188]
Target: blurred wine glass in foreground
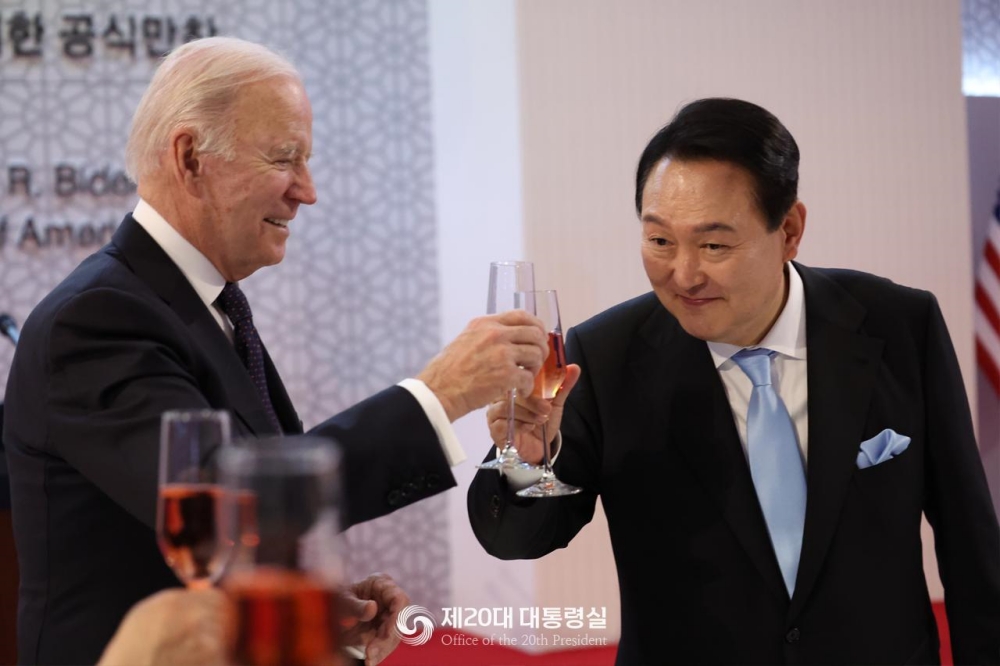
[285,576]
[192,529]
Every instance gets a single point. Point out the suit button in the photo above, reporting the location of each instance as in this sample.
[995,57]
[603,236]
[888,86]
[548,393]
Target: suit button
[793,635]
[495,505]
[394,498]
[433,481]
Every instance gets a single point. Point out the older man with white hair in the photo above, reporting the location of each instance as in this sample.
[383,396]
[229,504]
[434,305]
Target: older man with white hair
[155,320]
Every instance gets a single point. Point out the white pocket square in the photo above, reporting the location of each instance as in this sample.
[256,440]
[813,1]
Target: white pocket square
[883,446]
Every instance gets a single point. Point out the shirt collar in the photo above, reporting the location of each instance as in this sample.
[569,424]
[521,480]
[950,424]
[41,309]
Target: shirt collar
[787,336]
[199,271]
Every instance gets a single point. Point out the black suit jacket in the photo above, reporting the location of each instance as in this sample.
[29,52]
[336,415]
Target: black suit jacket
[650,430]
[122,339]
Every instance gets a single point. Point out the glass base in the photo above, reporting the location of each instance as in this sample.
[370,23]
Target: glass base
[496,463]
[524,466]
[552,487]
[509,465]
[507,459]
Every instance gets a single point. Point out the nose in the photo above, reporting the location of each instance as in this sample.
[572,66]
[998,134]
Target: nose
[303,189]
[688,275]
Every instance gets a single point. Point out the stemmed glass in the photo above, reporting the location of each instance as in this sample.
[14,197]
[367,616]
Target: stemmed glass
[192,529]
[506,279]
[548,382]
[284,582]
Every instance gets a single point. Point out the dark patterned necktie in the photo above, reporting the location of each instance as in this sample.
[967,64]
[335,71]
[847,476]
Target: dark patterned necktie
[234,303]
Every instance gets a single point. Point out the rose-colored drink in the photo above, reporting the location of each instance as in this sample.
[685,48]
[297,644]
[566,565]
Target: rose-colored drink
[550,378]
[283,618]
[191,534]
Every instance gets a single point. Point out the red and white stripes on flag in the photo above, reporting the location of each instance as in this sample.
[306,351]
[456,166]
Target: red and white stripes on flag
[988,305]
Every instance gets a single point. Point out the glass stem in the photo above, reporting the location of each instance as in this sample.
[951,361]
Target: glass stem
[509,452]
[511,395]
[546,456]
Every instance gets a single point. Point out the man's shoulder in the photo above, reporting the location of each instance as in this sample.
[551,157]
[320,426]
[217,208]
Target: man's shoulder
[101,276]
[623,317]
[98,270]
[853,279]
[614,331]
[870,290]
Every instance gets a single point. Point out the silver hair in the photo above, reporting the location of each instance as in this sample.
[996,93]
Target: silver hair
[194,87]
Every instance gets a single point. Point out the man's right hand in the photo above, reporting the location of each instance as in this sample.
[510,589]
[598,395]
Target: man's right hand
[530,412]
[492,355]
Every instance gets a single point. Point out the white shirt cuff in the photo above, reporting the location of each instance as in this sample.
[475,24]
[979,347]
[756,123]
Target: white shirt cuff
[439,419]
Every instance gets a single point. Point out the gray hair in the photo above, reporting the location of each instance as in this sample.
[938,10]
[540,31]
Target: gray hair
[194,87]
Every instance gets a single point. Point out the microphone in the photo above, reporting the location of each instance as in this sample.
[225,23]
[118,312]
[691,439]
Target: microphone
[9,328]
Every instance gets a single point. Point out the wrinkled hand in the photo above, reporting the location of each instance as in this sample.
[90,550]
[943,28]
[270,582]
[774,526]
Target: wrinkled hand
[373,605]
[530,412]
[172,628]
[491,356]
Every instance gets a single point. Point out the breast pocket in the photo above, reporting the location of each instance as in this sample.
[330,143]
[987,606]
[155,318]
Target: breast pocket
[889,495]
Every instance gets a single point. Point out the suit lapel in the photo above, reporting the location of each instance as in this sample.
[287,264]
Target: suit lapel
[244,398]
[152,265]
[282,404]
[843,366]
[676,370]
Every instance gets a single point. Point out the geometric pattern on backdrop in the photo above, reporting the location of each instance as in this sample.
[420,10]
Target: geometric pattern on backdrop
[981,47]
[354,308]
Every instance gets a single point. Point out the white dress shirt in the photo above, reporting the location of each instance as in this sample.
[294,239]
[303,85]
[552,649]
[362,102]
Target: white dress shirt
[208,284]
[788,372]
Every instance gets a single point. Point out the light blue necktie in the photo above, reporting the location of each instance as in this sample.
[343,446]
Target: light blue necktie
[775,463]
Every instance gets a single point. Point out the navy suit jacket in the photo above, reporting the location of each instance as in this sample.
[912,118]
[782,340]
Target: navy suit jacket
[123,338]
[649,429]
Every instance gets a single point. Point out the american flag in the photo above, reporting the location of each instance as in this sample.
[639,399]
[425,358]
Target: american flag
[988,304]
[988,351]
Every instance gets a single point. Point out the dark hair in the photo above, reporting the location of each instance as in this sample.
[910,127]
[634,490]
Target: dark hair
[731,130]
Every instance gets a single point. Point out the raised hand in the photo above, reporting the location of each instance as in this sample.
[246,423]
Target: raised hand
[494,354]
[530,413]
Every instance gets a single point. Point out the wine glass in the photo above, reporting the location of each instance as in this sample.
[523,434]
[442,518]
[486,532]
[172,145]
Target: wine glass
[285,578]
[506,279]
[548,382]
[191,522]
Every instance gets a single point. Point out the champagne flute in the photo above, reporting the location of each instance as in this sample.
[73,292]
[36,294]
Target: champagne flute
[192,529]
[285,587]
[506,279]
[548,382]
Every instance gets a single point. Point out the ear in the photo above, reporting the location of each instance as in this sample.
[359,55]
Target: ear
[793,226]
[186,163]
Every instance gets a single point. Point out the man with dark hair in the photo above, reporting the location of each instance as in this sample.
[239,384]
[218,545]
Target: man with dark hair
[780,429]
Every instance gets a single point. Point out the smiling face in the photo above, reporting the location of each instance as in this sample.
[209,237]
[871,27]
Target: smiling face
[248,202]
[708,253]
